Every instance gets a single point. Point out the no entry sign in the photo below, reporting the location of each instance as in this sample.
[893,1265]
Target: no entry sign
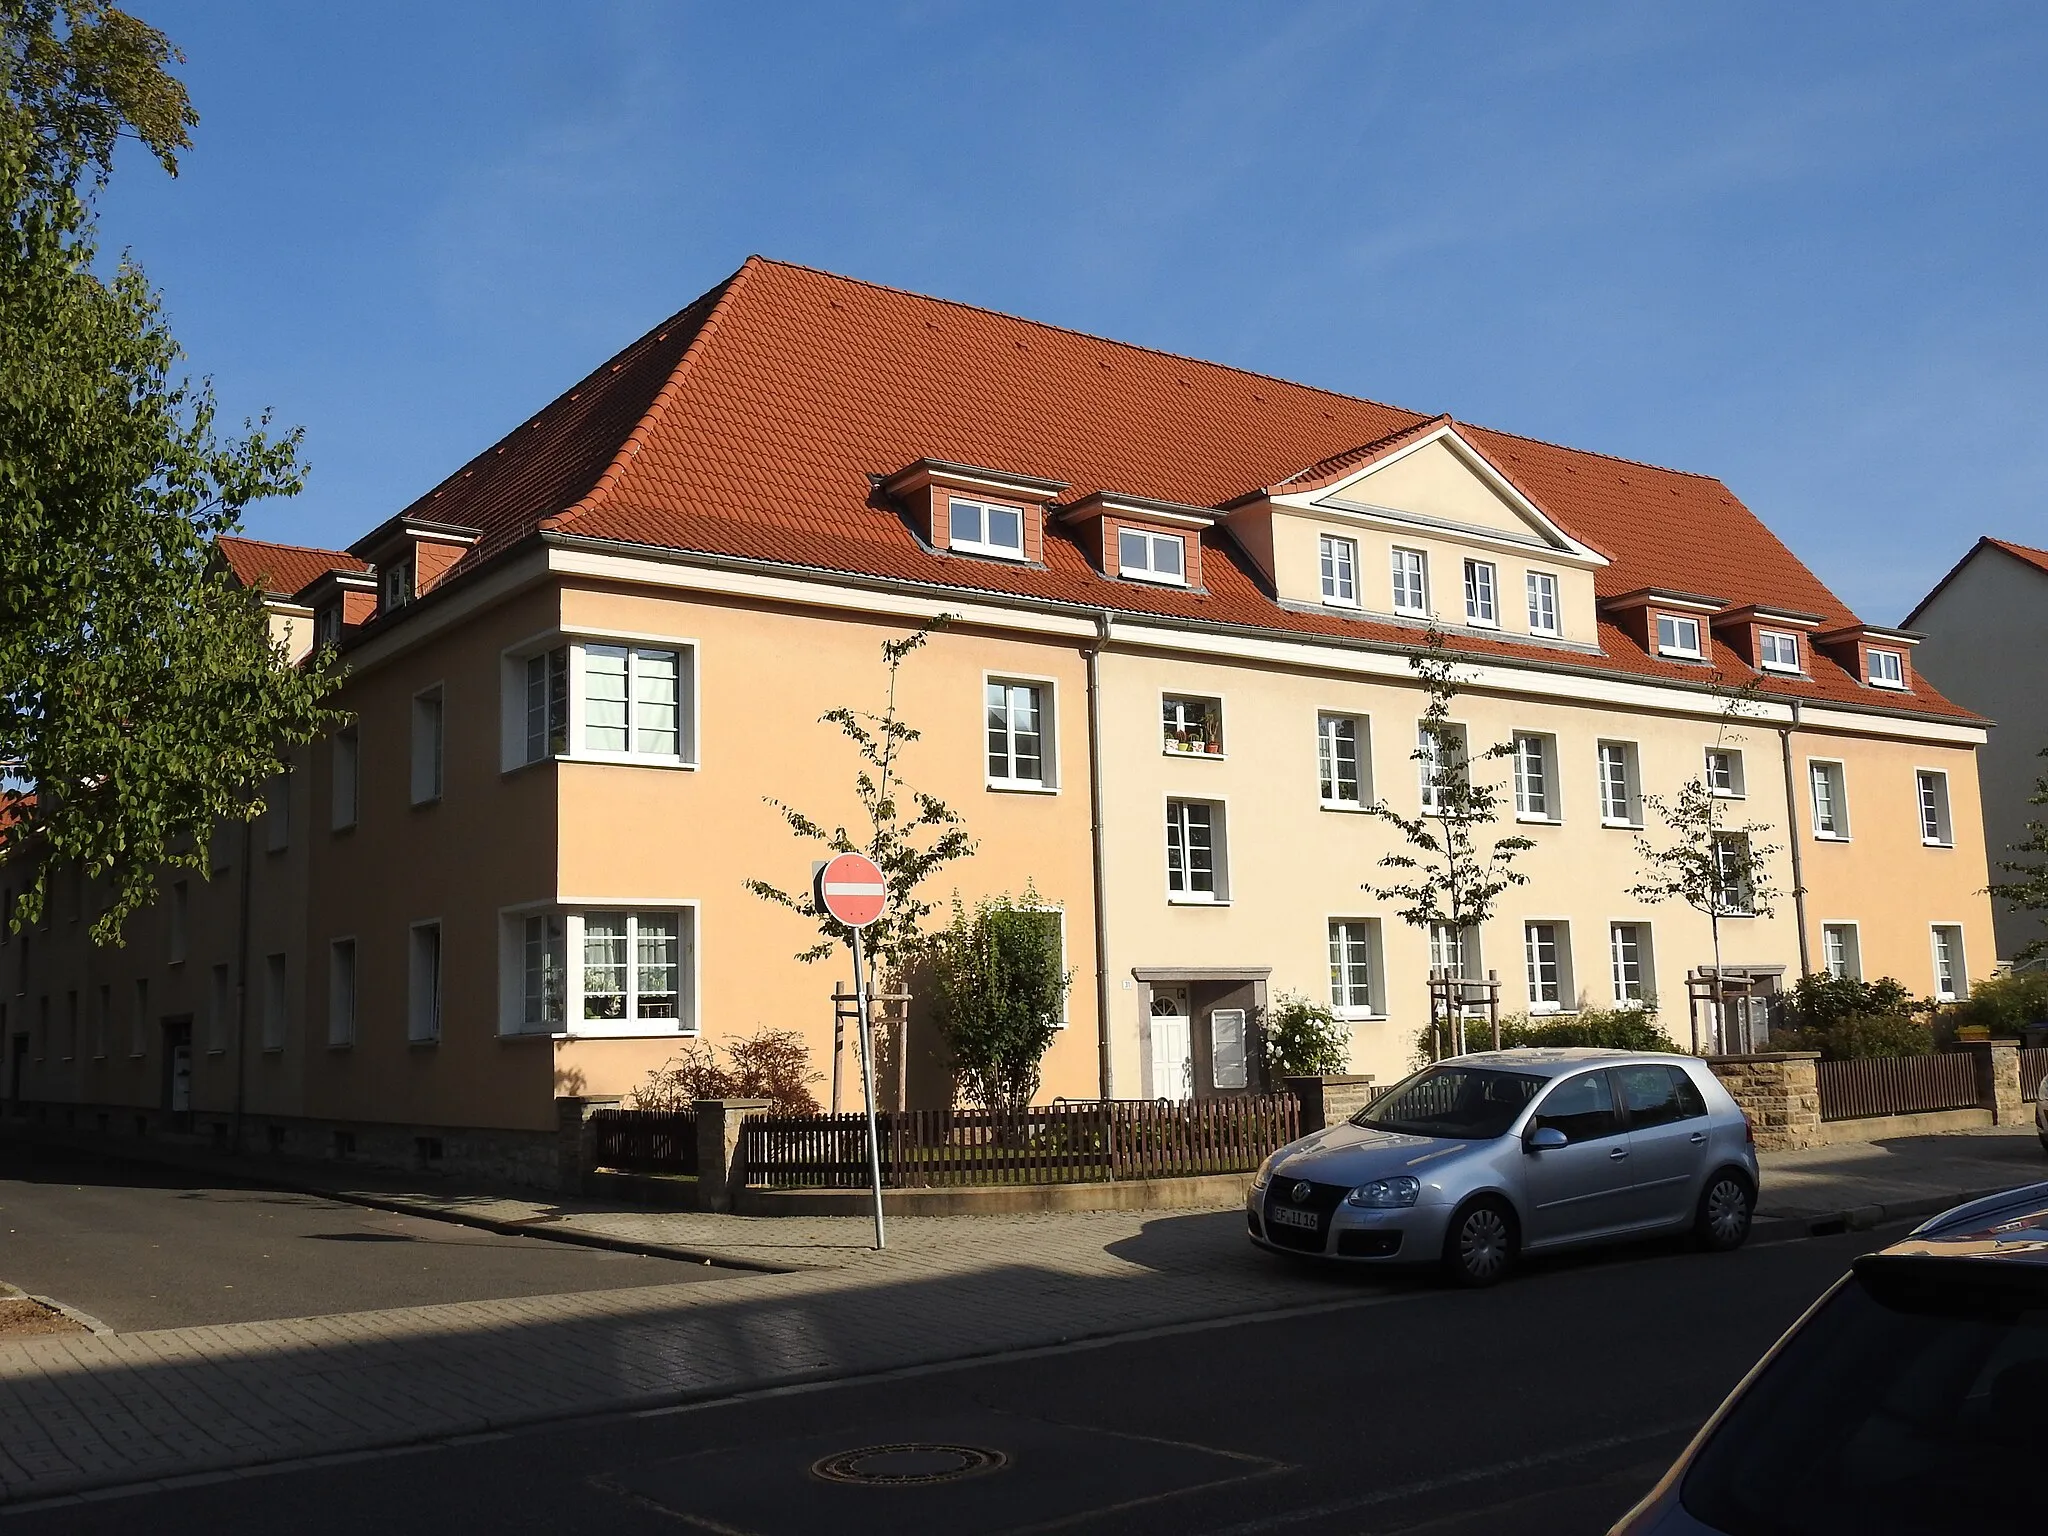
[850,887]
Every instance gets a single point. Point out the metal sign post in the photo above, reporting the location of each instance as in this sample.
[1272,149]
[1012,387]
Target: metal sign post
[850,887]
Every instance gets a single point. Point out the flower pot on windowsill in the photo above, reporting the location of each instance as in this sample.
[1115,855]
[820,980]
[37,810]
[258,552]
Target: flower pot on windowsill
[1214,748]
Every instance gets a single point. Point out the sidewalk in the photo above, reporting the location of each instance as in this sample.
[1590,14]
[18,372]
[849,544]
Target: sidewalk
[82,1412]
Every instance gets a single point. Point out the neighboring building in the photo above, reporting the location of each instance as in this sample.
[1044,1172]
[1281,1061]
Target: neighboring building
[1986,625]
[1182,602]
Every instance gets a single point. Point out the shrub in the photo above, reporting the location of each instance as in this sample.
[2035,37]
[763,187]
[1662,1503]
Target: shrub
[2006,1002]
[1820,1001]
[1000,993]
[1613,1029]
[1302,1038]
[772,1064]
[1858,1037]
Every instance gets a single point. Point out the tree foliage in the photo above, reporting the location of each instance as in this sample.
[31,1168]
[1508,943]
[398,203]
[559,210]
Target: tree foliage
[2027,891]
[1000,994]
[908,833]
[1453,872]
[142,701]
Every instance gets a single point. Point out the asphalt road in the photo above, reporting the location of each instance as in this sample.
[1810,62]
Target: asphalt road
[1545,1406]
[140,1247]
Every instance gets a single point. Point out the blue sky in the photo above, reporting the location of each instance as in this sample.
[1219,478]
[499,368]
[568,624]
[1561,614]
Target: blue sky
[1799,247]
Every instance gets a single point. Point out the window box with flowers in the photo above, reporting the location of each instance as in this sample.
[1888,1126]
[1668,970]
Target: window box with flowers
[1192,727]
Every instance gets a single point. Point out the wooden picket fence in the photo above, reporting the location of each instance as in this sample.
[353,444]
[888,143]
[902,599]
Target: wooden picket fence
[1896,1085]
[2033,1067]
[1063,1143]
[644,1140]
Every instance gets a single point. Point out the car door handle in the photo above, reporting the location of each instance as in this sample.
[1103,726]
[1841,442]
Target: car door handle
[1697,1137]
[1618,1153]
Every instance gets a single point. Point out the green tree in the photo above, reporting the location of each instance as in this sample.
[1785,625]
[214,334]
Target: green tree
[1000,993]
[1718,867]
[2027,891]
[909,834]
[142,701]
[1454,871]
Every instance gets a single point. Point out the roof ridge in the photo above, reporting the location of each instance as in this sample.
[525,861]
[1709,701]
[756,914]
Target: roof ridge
[1333,466]
[650,418]
[310,549]
[1595,453]
[2013,544]
[1075,331]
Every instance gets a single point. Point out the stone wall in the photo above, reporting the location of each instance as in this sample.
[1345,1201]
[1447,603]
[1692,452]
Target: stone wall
[1778,1091]
[1330,1100]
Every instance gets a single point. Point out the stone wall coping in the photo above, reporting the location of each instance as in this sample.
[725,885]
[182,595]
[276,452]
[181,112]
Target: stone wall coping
[1335,1077]
[1766,1056]
[732,1104]
[2005,1041]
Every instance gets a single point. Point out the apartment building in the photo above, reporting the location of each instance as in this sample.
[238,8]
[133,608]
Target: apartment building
[1179,604]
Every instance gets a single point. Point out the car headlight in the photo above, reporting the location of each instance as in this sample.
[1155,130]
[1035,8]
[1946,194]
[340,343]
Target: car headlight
[1382,1193]
[1265,1174]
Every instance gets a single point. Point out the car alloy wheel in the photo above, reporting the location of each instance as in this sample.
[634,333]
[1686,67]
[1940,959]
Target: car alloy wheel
[1482,1246]
[1725,1212]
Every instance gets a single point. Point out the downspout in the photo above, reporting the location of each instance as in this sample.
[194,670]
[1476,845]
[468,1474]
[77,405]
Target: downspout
[1792,838]
[242,979]
[1105,1068]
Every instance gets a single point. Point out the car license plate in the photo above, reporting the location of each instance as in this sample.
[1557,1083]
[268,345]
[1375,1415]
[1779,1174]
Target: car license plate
[1282,1216]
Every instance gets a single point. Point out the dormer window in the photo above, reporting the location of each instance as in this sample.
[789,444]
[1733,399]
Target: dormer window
[1678,635]
[1482,602]
[1887,669]
[985,528]
[397,581]
[1777,650]
[1411,582]
[327,625]
[1142,555]
[1339,559]
[1542,603]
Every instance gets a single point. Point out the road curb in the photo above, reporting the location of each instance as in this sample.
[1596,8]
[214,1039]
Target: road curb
[1861,1218]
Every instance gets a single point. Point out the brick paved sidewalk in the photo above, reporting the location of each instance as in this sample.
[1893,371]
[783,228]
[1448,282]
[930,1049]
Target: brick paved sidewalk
[87,1411]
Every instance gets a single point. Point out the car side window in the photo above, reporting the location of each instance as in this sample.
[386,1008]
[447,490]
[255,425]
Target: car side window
[1692,1104]
[1582,1107]
[1650,1094]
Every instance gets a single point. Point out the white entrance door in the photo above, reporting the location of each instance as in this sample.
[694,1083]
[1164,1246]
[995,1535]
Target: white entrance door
[1173,1057]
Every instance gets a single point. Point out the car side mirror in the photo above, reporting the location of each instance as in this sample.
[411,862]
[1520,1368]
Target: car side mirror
[1547,1138]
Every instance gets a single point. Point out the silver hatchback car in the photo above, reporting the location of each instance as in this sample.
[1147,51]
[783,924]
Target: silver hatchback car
[1475,1160]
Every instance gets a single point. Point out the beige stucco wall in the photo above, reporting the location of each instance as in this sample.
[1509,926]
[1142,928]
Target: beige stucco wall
[1986,632]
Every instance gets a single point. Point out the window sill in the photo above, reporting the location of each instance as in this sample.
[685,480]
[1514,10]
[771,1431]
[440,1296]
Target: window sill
[1212,757]
[425,804]
[273,1050]
[1665,655]
[1621,826]
[1889,687]
[1545,634]
[1151,580]
[1936,842]
[1472,623]
[341,1045]
[1197,901]
[1348,604]
[622,760]
[1020,787]
[987,552]
[211,1050]
[421,1045]
[1728,794]
[1413,613]
[1359,1015]
[1538,821]
[1346,807]
[1776,671]
[346,826]
[1831,837]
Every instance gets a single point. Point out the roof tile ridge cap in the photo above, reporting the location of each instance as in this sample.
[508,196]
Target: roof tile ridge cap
[1595,453]
[2012,546]
[305,549]
[657,408]
[1075,331]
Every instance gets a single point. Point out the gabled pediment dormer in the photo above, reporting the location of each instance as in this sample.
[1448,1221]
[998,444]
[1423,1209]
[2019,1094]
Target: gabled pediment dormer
[411,556]
[1421,526]
[966,510]
[1135,538]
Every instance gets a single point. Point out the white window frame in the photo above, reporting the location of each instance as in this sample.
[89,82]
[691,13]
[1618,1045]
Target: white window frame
[1536,797]
[344,988]
[1830,811]
[1337,562]
[429,744]
[1852,949]
[276,999]
[1627,755]
[345,786]
[1215,703]
[572,912]
[1150,571]
[513,703]
[1341,988]
[1887,680]
[1645,962]
[1469,966]
[1429,771]
[1327,722]
[426,963]
[1951,935]
[1764,638]
[1218,895]
[1944,833]
[395,584]
[1677,647]
[1566,1000]
[1400,574]
[1746,906]
[1543,601]
[1737,787]
[1482,594]
[1047,781]
[983,545]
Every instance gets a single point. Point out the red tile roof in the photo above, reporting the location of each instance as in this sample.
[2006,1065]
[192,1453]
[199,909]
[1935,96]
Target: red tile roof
[749,425]
[2038,558]
[281,569]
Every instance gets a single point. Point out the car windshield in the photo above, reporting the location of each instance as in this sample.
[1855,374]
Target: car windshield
[1473,1103]
[1908,1403]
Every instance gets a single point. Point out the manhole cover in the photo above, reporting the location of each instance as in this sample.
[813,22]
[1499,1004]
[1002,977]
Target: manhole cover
[908,1466]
